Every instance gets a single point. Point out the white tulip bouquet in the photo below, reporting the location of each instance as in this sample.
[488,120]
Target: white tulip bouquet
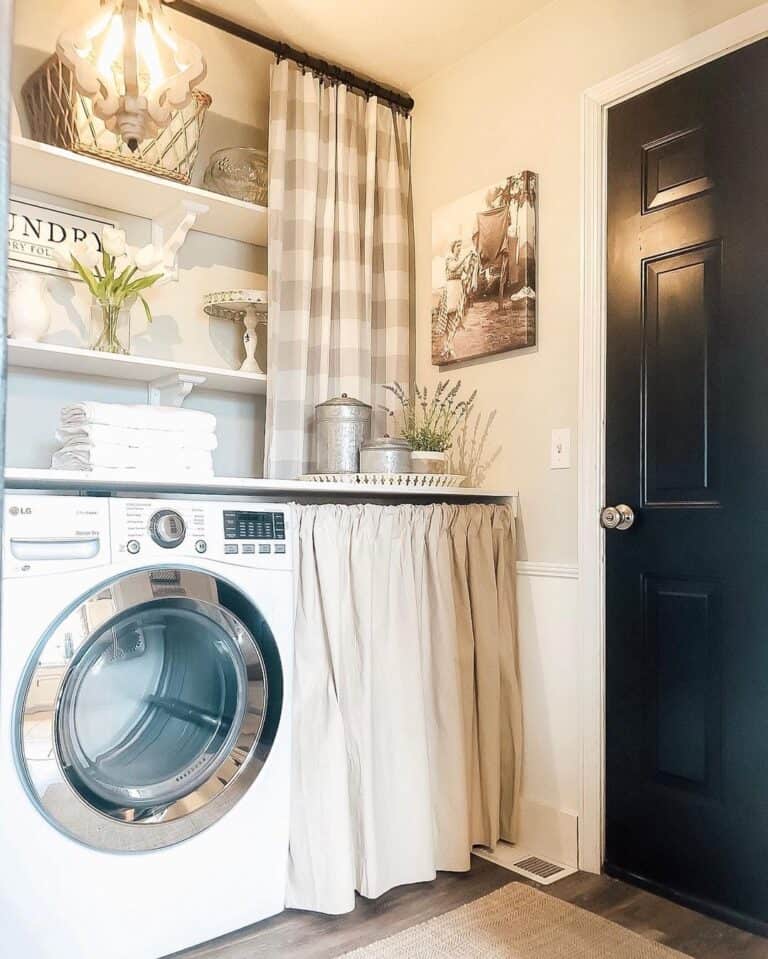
[116,275]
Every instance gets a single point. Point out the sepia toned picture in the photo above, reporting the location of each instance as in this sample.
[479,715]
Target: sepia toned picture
[484,272]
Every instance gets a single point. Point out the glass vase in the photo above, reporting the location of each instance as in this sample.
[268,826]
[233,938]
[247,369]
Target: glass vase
[110,327]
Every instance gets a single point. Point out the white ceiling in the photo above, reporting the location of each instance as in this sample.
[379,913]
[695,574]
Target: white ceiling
[396,42]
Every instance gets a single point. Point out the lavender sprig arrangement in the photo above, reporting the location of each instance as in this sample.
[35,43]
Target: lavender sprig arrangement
[430,424]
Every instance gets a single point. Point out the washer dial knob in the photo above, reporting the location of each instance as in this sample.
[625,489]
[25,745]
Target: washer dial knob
[167,528]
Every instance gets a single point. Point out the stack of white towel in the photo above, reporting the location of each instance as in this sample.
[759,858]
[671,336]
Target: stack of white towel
[153,439]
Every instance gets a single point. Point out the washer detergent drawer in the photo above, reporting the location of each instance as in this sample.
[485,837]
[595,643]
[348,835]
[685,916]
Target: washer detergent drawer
[149,709]
[53,534]
[51,549]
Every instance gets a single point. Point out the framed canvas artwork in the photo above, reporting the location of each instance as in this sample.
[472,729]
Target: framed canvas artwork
[484,272]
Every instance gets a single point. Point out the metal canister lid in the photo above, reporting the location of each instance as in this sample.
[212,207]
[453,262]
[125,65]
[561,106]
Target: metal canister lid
[343,400]
[387,443]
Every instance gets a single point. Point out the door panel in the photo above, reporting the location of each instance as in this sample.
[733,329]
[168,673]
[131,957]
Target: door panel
[675,168]
[681,296]
[681,638]
[687,447]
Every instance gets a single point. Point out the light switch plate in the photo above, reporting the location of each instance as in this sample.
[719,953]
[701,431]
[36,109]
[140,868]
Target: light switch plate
[560,453]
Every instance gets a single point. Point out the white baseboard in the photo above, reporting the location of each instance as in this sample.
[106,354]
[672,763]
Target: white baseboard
[525,863]
[545,833]
[548,832]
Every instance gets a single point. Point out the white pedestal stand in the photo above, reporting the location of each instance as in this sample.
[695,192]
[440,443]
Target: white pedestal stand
[248,306]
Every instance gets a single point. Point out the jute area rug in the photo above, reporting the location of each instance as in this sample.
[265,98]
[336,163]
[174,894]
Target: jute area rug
[516,922]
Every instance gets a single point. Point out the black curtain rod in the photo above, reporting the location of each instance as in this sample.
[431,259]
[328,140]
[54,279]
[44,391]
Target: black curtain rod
[284,51]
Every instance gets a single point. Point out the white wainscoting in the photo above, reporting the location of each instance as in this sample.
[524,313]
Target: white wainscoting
[548,635]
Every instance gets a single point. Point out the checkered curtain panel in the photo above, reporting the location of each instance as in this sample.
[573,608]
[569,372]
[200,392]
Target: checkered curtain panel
[340,234]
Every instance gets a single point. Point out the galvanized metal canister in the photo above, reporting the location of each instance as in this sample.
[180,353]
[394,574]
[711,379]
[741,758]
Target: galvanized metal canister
[342,425]
[387,454]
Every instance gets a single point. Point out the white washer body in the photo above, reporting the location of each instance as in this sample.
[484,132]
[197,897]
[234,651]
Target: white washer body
[60,897]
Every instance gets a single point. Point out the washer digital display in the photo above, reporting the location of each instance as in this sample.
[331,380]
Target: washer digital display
[241,524]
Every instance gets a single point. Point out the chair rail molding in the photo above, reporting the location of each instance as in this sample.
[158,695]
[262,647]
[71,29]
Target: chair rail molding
[724,38]
[550,570]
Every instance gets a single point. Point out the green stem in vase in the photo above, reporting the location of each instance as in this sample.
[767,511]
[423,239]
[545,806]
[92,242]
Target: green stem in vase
[109,337]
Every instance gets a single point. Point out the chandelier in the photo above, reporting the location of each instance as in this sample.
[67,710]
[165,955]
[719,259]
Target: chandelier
[133,66]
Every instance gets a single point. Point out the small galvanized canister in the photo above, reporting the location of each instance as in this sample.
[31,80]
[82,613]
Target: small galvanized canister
[387,454]
[342,425]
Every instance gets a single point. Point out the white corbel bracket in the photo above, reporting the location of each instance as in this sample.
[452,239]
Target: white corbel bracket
[172,390]
[169,231]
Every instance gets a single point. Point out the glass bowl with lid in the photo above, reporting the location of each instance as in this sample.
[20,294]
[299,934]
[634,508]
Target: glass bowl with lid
[239,172]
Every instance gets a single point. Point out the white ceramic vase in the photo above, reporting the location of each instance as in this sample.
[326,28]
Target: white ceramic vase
[29,315]
[429,461]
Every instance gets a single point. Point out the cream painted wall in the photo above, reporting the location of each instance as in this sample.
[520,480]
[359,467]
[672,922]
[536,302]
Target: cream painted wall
[237,80]
[511,104]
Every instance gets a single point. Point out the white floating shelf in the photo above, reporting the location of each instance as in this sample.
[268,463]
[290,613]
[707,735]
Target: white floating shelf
[142,369]
[130,481]
[38,166]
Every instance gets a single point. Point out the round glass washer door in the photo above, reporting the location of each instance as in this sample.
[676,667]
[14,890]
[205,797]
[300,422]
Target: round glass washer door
[150,709]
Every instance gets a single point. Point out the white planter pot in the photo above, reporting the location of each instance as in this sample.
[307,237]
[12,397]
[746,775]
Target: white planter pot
[29,315]
[429,461]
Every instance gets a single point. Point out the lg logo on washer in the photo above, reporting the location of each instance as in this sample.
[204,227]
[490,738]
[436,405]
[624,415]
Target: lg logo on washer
[27,511]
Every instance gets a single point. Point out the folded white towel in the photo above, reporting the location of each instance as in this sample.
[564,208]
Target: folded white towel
[98,434]
[138,417]
[84,456]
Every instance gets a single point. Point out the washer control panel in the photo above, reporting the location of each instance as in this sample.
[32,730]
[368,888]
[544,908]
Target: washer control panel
[254,532]
[253,524]
[246,534]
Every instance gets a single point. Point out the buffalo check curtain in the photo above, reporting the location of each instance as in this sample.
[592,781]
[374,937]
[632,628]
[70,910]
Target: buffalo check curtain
[340,236]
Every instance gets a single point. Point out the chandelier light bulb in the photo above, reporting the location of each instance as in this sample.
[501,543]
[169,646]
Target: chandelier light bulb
[133,66]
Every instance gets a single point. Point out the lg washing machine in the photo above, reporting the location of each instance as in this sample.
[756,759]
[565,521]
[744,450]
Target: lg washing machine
[145,673]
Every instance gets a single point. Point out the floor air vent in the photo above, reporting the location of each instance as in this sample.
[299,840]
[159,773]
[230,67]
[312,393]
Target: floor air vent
[542,871]
[539,868]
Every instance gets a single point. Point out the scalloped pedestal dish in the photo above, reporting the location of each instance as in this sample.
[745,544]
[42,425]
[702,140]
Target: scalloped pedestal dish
[248,306]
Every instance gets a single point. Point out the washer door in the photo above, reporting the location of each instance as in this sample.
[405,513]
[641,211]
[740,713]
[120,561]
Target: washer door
[150,709]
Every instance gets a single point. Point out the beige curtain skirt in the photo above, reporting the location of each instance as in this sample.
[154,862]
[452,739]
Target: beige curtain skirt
[407,717]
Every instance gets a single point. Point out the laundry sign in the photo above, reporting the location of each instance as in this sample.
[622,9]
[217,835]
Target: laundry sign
[35,230]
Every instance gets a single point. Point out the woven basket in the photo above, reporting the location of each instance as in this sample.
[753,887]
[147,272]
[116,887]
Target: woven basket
[61,116]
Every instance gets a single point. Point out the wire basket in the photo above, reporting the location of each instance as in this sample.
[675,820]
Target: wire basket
[61,116]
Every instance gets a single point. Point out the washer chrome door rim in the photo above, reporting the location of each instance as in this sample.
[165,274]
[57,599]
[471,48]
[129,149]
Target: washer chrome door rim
[62,767]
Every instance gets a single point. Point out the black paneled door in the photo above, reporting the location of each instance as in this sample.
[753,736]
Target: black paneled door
[687,449]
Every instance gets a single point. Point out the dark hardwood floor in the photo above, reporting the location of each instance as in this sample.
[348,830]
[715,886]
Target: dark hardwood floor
[304,935]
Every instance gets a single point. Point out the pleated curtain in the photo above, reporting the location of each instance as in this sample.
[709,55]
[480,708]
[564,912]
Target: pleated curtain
[406,715]
[339,248]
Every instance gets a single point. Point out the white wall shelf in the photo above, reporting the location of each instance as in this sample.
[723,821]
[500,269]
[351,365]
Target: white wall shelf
[129,481]
[38,166]
[142,369]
